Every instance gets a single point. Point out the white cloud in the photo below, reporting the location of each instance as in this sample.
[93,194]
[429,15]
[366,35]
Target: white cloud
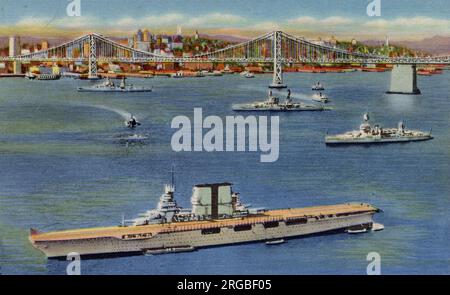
[215,19]
[264,26]
[329,21]
[420,22]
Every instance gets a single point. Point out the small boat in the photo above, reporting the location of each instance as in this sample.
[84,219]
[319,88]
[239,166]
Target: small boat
[275,242]
[356,231]
[318,87]
[320,97]
[45,77]
[199,74]
[177,75]
[377,227]
[247,74]
[169,250]
[30,76]
[132,123]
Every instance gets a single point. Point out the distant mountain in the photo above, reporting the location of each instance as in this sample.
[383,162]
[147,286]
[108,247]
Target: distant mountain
[436,45]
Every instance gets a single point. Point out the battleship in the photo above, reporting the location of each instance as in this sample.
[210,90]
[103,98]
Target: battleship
[370,135]
[109,86]
[273,104]
[217,217]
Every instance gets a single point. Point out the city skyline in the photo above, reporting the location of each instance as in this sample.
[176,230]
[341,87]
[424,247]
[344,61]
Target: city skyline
[401,20]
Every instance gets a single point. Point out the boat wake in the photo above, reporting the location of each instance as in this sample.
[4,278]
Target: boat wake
[124,114]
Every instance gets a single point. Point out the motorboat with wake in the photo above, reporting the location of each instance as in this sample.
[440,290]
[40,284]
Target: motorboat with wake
[320,97]
[273,104]
[368,134]
[110,86]
[132,123]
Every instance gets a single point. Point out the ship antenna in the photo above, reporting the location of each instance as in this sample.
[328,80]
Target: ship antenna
[172,176]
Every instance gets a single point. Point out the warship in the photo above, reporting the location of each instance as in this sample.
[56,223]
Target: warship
[217,217]
[317,87]
[368,134]
[273,104]
[109,86]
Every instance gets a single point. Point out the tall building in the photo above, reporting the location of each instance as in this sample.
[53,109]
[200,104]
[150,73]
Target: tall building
[139,35]
[14,46]
[179,32]
[44,45]
[146,36]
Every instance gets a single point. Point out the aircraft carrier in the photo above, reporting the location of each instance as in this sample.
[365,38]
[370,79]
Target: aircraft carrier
[217,217]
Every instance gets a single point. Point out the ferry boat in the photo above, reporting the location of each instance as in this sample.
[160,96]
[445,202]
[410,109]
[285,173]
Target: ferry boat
[109,86]
[217,217]
[273,104]
[369,135]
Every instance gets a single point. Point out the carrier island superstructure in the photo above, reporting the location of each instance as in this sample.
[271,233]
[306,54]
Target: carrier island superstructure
[217,217]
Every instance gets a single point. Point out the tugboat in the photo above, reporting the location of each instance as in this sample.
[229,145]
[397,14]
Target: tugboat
[318,87]
[109,86]
[368,134]
[273,104]
[320,97]
[217,217]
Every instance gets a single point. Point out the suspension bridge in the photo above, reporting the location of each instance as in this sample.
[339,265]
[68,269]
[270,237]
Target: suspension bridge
[275,47]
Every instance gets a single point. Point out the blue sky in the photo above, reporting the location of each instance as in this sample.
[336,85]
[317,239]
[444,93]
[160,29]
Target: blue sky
[400,19]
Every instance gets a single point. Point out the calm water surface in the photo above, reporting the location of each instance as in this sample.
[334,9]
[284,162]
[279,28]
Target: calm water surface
[62,166]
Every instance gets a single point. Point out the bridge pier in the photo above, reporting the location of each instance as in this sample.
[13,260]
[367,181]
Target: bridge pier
[17,67]
[404,80]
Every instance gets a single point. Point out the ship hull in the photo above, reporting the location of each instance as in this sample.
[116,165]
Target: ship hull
[281,108]
[337,141]
[197,238]
[113,90]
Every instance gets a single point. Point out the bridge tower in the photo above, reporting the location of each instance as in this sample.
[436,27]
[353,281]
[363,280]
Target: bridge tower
[277,61]
[92,58]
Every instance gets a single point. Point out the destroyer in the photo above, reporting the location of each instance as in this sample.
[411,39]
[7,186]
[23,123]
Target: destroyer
[273,104]
[109,86]
[368,134]
[217,217]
